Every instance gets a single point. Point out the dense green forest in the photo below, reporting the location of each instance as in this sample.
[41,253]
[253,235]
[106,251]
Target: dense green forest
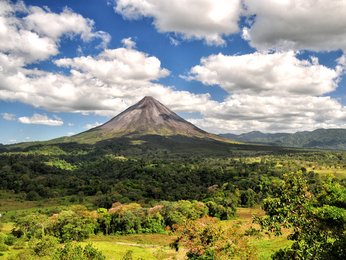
[183,195]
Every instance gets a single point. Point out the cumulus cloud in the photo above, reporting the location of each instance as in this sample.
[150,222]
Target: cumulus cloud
[207,20]
[267,73]
[65,23]
[118,66]
[270,92]
[35,35]
[8,116]
[104,84]
[244,113]
[297,24]
[38,119]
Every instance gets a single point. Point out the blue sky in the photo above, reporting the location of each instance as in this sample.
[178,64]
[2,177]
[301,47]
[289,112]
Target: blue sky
[225,65]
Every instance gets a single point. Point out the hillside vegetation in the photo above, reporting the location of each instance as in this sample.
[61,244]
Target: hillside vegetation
[321,138]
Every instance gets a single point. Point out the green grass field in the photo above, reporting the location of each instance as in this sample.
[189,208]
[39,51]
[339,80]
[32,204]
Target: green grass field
[145,246]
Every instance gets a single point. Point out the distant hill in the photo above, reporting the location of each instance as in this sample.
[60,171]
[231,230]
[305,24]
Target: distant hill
[320,138]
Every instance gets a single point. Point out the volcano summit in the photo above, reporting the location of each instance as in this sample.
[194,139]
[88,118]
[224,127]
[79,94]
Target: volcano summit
[147,117]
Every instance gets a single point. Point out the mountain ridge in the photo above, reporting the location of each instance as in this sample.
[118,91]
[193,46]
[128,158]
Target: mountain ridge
[333,138]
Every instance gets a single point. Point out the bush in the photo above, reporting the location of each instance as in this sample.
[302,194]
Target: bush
[71,251]
[71,226]
[10,240]
[3,247]
[32,195]
[45,246]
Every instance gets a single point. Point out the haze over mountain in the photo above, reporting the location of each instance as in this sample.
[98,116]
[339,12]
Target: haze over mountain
[319,138]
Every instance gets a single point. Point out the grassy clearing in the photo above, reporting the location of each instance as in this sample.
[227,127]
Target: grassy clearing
[338,173]
[6,227]
[13,205]
[143,239]
[143,246]
[267,246]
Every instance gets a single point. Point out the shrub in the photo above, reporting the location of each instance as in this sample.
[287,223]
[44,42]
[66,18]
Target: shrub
[71,251]
[45,246]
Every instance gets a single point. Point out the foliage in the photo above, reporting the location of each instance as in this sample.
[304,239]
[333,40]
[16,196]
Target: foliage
[318,228]
[72,251]
[128,255]
[179,211]
[71,225]
[223,202]
[320,138]
[44,246]
[3,246]
[30,226]
[111,179]
[205,239]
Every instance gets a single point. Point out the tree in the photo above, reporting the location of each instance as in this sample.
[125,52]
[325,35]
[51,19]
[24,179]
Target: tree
[318,219]
[205,239]
[70,225]
[44,246]
[30,226]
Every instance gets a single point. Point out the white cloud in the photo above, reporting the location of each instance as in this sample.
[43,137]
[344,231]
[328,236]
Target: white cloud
[128,43]
[270,92]
[279,73]
[104,84]
[207,20]
[8,116]
[244,113]
[297,24]
[36,35]
[174,41]
[55,25]
[118,66]
[39,119]
[92,125]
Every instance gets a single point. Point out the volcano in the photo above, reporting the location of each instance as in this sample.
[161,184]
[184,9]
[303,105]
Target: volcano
[147,117]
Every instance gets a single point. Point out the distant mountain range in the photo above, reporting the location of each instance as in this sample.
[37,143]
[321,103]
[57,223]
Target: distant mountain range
[320,138]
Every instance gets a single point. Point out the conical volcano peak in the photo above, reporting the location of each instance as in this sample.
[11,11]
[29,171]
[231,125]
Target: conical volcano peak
[148,101]
[149,116]
[146,117]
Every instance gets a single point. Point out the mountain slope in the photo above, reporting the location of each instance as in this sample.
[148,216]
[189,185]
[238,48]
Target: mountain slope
[147,117]
[320,138]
